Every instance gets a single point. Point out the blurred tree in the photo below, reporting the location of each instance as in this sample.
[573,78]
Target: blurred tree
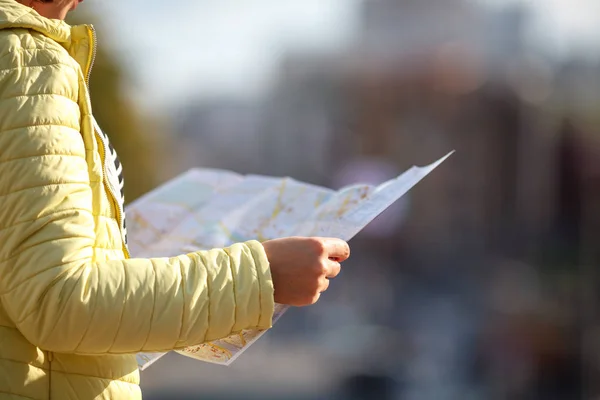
[134,135]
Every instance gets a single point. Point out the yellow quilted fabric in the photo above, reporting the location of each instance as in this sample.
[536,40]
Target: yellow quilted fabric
[74,308]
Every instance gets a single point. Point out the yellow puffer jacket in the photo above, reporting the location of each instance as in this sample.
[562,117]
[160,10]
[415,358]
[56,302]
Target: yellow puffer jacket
[74,308]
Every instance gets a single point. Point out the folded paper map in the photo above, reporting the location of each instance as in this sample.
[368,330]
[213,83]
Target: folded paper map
[207,208]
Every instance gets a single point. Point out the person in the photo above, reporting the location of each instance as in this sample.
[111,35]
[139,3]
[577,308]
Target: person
[74,306]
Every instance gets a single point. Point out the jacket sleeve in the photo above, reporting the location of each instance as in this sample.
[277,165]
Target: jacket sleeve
[58,297]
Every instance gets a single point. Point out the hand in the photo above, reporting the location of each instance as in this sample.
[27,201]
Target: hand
[301,267]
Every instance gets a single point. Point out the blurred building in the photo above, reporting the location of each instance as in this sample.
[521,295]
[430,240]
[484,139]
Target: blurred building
[424,78]
[220,133]
[416,84]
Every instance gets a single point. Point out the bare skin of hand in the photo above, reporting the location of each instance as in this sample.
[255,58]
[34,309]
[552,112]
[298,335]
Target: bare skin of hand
[301,267]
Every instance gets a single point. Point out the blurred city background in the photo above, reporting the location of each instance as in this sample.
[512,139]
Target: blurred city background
[483,282]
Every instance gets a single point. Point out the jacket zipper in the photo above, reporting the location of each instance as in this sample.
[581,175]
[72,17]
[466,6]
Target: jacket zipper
[92,32]
[117,204]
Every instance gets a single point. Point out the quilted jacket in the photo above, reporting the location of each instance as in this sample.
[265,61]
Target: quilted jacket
[74,307]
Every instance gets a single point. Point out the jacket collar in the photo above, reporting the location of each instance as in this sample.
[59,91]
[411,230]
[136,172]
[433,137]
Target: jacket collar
[77,40]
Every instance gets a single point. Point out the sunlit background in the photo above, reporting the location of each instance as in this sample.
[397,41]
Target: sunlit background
[483,282]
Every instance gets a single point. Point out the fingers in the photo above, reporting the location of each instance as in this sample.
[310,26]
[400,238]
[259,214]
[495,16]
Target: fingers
[336,249]
[315,298]
[323,285]
[332,269]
